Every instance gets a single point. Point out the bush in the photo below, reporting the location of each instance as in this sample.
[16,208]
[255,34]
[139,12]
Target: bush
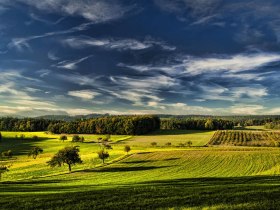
[154,144]
[77,138]
[127,148]
[22,136]
[63,138]
[189,143]
[168,144]
[8,154]
[35,137]
[181,145]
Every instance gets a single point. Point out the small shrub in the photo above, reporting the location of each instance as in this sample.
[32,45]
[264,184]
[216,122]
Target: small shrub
[127,148]
[8,154]
[22,136]
[63,138]
[76,138]
[181,145]
[168,144]
[189,143]
[154,144]
[35,137]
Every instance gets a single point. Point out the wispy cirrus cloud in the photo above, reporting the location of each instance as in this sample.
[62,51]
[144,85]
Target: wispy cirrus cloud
[217,63]
[22,43]
[83,94]
[71,65]
[97,11]
[114,44]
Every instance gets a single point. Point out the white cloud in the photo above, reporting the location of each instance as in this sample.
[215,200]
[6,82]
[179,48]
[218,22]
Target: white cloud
[114,44]
[96,11]
[22,43]
[83,94]
[155,82]
[71,65]
[245,109]
[237,63]
[230,66]
[52,56]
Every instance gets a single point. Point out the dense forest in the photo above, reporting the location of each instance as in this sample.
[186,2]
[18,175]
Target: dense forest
[133,124]
[126,125]
[196,124]
[27,124]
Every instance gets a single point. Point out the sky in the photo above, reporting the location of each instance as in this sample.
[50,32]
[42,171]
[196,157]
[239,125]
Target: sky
[208,57]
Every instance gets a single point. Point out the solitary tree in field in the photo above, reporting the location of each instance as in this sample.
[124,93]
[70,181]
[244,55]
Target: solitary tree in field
[127,149]
[35,151]
[103,154]
[63,138]
[3,169]
[189,143]
[68,155]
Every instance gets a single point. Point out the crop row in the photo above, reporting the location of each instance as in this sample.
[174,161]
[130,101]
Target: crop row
[245,138]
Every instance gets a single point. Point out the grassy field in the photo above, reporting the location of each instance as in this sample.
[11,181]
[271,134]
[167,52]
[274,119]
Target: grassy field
[148,177]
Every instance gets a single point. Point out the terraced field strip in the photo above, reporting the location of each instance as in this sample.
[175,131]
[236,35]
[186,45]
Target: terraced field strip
[246,138]
[181,164]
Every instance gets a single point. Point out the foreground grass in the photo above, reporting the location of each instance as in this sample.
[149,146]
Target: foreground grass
[148,178]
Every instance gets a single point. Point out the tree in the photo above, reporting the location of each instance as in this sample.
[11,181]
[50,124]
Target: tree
[63,138]
[209,125]
[68,155]
[168,144]
[35,151]
[154,144]
[77,138]
[3,169]
[103,154]
[127,148]
[189,143]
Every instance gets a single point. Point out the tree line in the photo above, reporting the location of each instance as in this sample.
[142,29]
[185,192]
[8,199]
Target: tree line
[26,124]
[196,124]
[120,125]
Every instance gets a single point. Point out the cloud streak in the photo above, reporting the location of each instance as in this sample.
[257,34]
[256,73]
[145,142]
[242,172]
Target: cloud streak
[114,44]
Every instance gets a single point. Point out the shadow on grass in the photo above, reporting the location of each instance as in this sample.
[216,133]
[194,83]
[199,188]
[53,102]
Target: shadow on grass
[175,132]
[258,192]
[125,169]
[139,161]
[172,159]
[20,146]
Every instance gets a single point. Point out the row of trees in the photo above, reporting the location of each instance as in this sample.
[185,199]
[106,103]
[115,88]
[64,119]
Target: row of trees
[196,124]
[272,125]
[125,125]
[27,124]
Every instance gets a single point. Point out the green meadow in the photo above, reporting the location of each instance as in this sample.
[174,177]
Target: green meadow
[148,177]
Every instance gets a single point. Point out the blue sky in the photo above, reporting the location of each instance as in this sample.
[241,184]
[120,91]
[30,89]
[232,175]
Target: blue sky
[217,57]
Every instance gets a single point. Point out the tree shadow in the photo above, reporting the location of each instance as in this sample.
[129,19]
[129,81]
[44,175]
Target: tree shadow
[139,161]
[20,146]
[175,132]
[168,159]
[125,169]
